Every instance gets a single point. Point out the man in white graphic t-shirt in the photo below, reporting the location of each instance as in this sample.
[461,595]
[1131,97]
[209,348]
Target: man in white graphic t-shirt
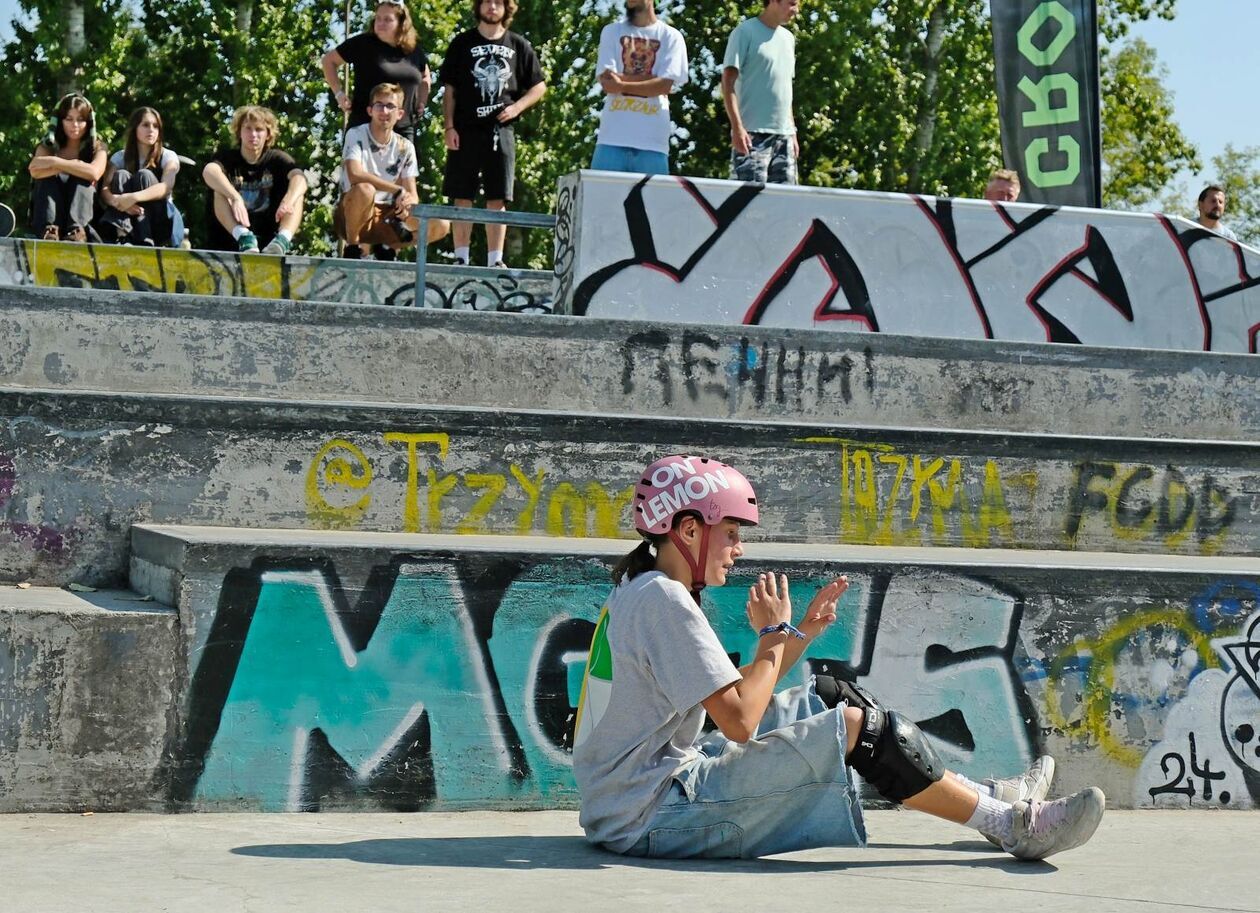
[378,183]
[641,60]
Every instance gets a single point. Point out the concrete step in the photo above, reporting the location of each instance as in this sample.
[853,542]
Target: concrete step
[59,264]
[80,468]
[88,684]
[93,340]
[358,670]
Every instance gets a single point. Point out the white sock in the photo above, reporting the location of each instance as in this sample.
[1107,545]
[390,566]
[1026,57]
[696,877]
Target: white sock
[287,236]
[461,253]
[494,257]
[992,817]
[981,788]
[238,231]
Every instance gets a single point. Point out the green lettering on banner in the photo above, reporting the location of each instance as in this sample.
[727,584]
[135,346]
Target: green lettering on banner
[1044,57]
[1044,113]
[1064,176]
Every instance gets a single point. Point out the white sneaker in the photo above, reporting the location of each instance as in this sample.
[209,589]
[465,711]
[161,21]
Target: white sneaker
[1041,829]
[1032,785]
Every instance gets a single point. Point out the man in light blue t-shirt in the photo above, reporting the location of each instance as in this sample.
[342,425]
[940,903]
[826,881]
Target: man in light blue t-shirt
[757,74]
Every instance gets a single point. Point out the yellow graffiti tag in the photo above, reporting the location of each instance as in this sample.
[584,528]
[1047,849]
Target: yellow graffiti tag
[337,469]
[411,504]
[1094,711]
[340,468]
[882,498]
[147,269]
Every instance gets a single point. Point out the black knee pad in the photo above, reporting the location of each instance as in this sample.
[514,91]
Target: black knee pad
[832,689]
[894,756]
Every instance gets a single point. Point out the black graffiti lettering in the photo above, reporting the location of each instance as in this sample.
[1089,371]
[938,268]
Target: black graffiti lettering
[1174,783]
[1205,771]
[1109,283]
[783,372]
[846,277]
[1175,510]
[654,343]
[1217,509]
[827,372]
[644,245]
[1084,496]
[752,367]
[692,340]
[1131,512]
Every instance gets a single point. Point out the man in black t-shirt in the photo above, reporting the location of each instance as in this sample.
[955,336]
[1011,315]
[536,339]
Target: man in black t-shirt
[256,190]
[490,76]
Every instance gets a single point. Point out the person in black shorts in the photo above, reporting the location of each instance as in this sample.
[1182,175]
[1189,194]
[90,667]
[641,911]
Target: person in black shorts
[491,76]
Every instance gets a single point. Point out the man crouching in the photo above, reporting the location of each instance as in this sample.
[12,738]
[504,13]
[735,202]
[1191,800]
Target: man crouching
[378,183]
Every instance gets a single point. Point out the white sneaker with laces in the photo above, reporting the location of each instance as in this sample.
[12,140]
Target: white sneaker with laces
[1032,785]
[1041,829]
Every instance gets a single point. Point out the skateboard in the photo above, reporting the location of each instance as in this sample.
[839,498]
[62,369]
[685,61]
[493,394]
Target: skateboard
[8,221]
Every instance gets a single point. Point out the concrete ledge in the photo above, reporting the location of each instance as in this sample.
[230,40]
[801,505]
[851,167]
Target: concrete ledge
[59,264]
[87,684]
[90,339]
[82,467]
[335,670]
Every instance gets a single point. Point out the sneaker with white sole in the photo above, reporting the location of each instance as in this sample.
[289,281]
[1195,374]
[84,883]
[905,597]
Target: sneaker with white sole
[247,243]
[1032,785]
[1041,829]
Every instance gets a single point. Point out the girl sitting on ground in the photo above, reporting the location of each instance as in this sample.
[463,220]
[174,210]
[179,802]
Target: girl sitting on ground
[65,170]
[139,182]
[778,774]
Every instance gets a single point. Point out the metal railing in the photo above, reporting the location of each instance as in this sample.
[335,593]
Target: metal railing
[425,212]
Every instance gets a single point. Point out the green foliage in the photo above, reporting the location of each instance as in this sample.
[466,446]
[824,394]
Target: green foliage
[1143,146]
[890,94]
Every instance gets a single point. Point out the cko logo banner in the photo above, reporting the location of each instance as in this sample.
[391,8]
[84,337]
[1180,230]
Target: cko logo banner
[1047,83]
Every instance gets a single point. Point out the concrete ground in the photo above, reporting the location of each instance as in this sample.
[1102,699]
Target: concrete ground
[537,861]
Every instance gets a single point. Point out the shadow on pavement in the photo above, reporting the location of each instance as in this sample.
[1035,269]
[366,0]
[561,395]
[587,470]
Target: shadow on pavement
[575,853]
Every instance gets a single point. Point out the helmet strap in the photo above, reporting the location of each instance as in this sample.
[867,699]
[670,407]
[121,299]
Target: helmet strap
[697,565]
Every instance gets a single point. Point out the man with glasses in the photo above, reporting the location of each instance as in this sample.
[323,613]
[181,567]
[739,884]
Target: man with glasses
[490,77]
[378,182]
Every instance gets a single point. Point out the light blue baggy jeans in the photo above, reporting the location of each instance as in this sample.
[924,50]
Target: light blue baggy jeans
[787,789]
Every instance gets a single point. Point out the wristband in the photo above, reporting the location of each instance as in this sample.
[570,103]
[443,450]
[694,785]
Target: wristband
[784,626]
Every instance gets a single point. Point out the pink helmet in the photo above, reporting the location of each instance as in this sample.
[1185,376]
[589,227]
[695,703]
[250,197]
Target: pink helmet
[680,484]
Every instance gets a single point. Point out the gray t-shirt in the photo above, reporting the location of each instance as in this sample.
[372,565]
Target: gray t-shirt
[766,60]
[666,659]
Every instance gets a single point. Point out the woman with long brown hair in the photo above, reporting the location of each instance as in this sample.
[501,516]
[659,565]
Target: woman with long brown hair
[388,52]
[65,170]
[139,181]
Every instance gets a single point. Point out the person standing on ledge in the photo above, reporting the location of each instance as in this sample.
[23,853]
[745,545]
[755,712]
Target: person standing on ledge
[490,76]
[757,74]
[641,61]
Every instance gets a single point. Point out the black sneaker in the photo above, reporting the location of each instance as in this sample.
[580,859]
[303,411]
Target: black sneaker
[384,253]
[352,252]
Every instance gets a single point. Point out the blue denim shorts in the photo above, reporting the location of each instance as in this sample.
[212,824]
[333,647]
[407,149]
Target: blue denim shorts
[787,789]
[627,158]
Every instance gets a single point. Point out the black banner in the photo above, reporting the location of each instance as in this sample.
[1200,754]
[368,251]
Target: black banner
[1047,83]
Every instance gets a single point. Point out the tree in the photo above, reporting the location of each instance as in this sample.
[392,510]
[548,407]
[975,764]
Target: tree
[890,94]
[1143,148]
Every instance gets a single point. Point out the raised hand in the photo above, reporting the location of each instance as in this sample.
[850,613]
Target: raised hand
[821,611]
[768,601]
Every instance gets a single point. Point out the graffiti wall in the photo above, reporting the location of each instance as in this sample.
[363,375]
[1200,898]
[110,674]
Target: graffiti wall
[89,466]
[442,680]
[450,682]
[720,252]
[200,272]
